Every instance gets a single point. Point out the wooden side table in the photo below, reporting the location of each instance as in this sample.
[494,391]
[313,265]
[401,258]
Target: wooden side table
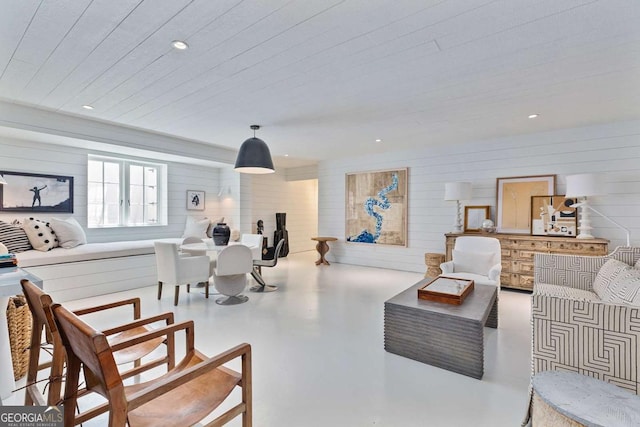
[433,262]
[323,247]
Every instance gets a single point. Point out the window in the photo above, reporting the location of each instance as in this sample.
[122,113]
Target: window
[123,193]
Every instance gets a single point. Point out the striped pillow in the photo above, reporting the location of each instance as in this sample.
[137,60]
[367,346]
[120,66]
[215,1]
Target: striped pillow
[14,238]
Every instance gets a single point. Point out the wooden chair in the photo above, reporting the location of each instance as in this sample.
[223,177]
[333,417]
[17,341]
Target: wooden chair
[39,303]
[184,396]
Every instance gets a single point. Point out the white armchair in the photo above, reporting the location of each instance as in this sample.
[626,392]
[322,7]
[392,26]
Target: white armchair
[475,258]
[177,269]
[230,274]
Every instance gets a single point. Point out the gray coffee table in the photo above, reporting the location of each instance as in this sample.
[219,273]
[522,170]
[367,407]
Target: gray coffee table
[443,335]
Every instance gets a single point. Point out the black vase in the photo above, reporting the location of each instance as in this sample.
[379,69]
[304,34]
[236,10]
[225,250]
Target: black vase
[221,234]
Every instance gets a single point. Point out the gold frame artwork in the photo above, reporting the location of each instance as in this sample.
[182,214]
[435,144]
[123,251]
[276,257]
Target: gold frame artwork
[554,216]
[376,207]
[473,215]
[513,201]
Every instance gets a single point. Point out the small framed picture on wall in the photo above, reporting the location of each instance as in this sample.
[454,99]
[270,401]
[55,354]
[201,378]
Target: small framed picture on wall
[195,200]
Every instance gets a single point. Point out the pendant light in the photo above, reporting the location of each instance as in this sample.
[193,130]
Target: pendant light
[254,156]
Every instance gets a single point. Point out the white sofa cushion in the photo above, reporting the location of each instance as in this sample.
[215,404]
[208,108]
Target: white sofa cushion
[40,234]
[472,262]
[196,228]
[564,292]
[70,234]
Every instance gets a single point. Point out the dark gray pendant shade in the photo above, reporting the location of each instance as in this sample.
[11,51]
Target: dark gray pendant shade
[254,156]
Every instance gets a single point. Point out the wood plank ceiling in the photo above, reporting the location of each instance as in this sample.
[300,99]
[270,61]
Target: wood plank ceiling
[326,78]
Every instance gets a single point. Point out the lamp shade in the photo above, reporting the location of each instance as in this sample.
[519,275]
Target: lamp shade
[583,185]
[457,191]
[254,157]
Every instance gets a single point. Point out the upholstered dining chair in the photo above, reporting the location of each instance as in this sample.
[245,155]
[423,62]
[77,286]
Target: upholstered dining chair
[475,258]
[177,269]
[203,252]
[256,273]
[182,397]
[230,274]
[40,303]
[254,242]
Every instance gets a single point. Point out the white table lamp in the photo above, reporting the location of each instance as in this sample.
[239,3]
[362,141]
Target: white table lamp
[581,187]
[457,191]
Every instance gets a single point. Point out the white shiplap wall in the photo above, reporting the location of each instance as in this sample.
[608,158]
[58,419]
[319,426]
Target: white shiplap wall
[299,199]
[35,157]
[612,150]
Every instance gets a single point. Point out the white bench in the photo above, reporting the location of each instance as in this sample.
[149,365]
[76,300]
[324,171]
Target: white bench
[94,269]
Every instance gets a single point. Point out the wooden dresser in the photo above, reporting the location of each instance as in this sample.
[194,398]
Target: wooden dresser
[518,251]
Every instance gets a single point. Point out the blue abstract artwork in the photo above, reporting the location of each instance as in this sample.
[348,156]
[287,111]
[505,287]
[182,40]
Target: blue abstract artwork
[376,207]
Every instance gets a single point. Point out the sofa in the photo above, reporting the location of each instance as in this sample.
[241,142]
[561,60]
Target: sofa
[585,315]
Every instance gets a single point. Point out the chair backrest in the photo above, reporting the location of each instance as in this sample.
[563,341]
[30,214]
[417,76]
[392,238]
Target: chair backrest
[91,348]
[234,259]
[470,248]
[38,303]
[254,242]
[167,261]
[276,255]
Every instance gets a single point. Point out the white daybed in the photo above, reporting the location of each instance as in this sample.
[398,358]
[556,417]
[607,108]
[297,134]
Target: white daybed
[94,268]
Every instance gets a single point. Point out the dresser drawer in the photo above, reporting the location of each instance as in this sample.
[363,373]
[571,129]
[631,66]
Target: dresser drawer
[523,255]
[533,245]
[578,247]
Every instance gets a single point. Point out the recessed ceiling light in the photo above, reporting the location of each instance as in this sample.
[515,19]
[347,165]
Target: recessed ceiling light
[286,155]
[378,140]
[533,116]
[87,107]
[179,44]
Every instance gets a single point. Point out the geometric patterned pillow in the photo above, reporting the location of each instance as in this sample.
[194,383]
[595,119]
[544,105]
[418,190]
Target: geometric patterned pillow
[14,238]
[606,275]
[40,234]
[625,287]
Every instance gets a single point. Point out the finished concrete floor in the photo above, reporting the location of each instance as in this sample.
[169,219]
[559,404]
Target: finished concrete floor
[318,356]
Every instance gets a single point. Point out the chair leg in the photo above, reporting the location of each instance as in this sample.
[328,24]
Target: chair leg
[262,286]
[206,289]
[159,290]
[175,297]
[188,287]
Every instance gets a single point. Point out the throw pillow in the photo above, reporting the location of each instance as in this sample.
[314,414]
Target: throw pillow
[3,249]
[625,287]
[69,232]
[14,238]
[472,262]
[638,263]
[196,228]
[212,225]
[606,275]
[40,234]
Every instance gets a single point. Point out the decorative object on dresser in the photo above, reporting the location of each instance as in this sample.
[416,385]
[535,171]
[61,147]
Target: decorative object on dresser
[195,200]
[376,207]
[582,186]
[553,216]
[33,192]
[456,191]
[518,251]
[513,200]
[448,290]
[474,217]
